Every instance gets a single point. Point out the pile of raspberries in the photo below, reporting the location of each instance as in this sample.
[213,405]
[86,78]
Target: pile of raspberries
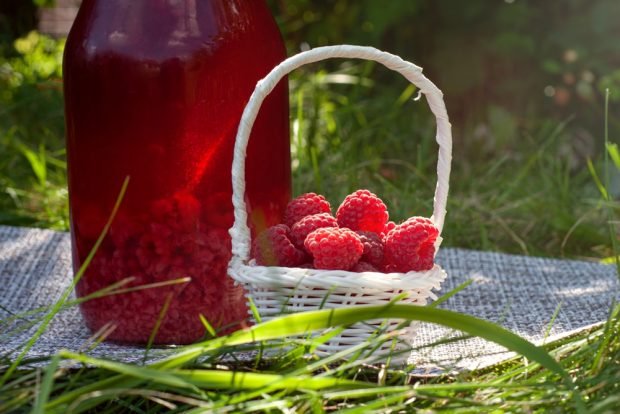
[359,239]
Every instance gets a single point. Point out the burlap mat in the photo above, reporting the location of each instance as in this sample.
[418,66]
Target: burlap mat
[521,293]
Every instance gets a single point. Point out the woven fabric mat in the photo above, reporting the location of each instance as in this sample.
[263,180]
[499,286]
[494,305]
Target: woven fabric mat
[521,293]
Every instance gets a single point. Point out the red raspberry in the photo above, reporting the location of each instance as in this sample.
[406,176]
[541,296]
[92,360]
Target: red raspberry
[363,211]
[411,246]
[364,267]
[308,224]
[334,248]
[373,248]
[273,247]
[389,226]
[305,205]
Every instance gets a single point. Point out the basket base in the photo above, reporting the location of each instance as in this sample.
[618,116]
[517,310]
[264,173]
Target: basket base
[274,291]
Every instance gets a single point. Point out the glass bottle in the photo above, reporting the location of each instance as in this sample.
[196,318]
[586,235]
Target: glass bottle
[154,91]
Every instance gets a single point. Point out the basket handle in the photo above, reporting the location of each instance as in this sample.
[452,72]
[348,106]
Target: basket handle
[240,233]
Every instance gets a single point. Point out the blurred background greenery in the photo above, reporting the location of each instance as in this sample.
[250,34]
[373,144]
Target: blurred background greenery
[507,65]
[524,82]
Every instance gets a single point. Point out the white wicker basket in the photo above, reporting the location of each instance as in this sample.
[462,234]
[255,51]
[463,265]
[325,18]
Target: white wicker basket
[277,290]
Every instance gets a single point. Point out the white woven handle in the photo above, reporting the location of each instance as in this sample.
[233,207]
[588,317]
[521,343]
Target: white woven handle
[240,232]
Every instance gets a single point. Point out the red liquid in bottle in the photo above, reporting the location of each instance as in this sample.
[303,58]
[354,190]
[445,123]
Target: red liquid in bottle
[154,90]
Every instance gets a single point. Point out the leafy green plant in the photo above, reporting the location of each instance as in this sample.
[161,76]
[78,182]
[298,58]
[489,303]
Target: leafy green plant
[32,161]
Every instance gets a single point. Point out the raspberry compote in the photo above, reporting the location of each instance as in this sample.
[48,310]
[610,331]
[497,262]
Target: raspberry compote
[154,90]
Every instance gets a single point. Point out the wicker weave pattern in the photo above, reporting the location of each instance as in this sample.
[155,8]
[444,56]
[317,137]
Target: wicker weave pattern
[276,290]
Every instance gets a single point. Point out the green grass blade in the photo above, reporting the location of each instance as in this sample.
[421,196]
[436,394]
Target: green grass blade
[227,380]
[36,161]
[46,386]
[254,310]
[382,404]
[406,94]
[208,327]
[143,373]
[556,312]
[614,154]
[160,318]
[451,293]
[321,339]
[597,180]
[607,336]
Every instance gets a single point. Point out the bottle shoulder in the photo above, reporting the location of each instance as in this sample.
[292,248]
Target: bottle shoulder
[140,30]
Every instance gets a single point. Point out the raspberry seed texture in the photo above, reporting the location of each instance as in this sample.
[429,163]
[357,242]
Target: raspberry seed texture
[411,246]
[308,224]
[334,248]
[362,211]
[373,248]
[305,205]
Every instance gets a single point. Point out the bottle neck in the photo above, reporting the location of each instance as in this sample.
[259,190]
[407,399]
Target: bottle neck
[168,27]
[175,6]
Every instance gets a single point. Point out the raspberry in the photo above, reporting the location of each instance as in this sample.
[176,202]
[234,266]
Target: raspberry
[334,248]
[308,224]
[411,246]
[305,205]
[364,267]
[168,241]
[373,248]
[273,247]
[387,228]
[363,211]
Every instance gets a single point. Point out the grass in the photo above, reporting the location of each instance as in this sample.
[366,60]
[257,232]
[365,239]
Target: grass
[193,378]
[353,126]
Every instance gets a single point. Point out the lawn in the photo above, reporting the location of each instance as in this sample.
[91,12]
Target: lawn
[525,187]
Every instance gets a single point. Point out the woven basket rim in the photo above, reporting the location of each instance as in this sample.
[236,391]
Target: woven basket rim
[255,275]
[342,273]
